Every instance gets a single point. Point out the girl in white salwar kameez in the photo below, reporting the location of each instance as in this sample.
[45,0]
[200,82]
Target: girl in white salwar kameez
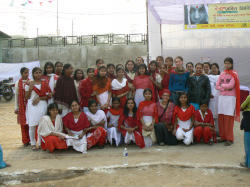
[77,125]
[102,85]
[184,120]
[214,99]
[113,115]
[50,77]
[37,93]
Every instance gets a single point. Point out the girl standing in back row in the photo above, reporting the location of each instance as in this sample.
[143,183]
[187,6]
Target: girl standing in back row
[65,91]
[102,87]
[20,105]
[37,93]
[50,77]
[229,101]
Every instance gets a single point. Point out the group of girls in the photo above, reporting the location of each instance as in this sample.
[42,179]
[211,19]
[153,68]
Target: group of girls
[143,104]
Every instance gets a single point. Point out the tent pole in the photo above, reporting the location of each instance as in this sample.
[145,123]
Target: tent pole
[147,33]
[161,37]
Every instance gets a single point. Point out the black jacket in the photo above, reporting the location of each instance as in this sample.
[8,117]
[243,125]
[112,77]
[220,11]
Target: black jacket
[199,90]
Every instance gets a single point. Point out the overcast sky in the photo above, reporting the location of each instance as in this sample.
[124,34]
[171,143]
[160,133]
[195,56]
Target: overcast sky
[88,16]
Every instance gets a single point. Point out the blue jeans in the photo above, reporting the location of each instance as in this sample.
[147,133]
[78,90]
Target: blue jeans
[2,163]
[247,148]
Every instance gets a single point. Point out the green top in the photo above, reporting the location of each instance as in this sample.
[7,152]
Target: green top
[246,104]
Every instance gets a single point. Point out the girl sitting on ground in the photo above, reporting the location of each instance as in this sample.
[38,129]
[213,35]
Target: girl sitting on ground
[148,116]
[76,125]
[51,130]
[204,125]
[184,120]
[98,124]
[113,116]
[129,126]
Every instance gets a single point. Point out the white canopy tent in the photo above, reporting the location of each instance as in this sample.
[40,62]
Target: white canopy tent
[167,37]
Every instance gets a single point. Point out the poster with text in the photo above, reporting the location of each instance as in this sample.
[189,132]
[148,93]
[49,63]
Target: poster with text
[217,16]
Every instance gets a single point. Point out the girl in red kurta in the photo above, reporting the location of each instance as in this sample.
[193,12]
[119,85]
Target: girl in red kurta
[148,116]
[102,87]
[204,125]
[51,130]
[129,126]
[155,78]
[120,87]
[86,90]
[141,82]
[20,105]
[77,125]
[165,79]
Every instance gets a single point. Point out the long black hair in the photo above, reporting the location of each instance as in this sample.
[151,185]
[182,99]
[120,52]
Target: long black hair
[178,101]
[145,67]
[58,62]
[229,59]
[217,65]
[126,110]
[50,107]
[126,69]
[65,66]
[75,78]
[101,67]
[46,65]
[91,102]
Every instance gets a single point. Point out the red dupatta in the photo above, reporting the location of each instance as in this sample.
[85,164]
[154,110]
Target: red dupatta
[131,122]
[81,124]
[22,102]
[116,112]
[144,104]
[164,83]
[235,75]
[143,82]
[45,89]
[183,116]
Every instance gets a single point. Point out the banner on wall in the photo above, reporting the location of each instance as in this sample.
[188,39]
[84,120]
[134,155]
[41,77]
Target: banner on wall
[217,16]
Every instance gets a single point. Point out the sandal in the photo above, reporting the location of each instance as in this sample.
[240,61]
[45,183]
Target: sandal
[228,143]
[242,164]
[210,142]
[220,140]
[33,148]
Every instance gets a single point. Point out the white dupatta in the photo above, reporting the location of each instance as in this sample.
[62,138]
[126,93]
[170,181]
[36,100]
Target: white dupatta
[116,85]
[46,127]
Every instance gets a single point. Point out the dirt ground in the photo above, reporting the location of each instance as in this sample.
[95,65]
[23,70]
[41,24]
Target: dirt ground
[196,165]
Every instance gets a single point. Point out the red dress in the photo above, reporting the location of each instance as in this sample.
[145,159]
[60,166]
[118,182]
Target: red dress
[164,83]
[131,122]
[85,91]
[204,132]
[21,117]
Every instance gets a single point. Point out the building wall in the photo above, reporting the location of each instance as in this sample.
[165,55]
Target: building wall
[80,57]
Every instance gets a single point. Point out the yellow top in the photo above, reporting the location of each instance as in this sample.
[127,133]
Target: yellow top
[246,104]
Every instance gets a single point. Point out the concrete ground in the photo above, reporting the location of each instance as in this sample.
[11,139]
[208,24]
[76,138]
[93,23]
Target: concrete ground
[25,160]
